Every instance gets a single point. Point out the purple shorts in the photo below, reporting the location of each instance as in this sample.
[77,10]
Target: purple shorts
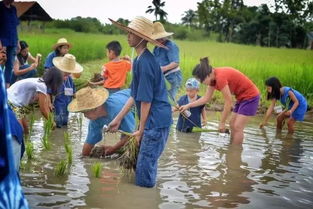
[247,107]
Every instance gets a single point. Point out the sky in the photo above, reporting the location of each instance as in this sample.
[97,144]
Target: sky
[126,9]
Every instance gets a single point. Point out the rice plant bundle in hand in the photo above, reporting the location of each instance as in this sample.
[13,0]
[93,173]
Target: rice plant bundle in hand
[128,159]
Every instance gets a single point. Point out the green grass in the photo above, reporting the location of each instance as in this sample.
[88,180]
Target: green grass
[60,168]
[96,169]
[294,67]
[29,147]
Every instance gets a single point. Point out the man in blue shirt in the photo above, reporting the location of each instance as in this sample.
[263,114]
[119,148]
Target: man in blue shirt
[148,92]
[101,109]
[168,59]
[8,35]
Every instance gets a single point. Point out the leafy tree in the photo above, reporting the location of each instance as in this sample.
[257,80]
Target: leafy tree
[189,18]
[156,9]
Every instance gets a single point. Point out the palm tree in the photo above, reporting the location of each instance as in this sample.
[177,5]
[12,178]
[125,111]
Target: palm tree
[189,17]
[157,10]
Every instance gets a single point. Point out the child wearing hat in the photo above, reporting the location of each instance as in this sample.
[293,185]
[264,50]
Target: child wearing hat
[185,123]
[101,108]
[65,94]
[168,58]
[148,93]
[228,81]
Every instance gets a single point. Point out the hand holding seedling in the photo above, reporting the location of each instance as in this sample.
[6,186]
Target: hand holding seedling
[138,135]
[113,126]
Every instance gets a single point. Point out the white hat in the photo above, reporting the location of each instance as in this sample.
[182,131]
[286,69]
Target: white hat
[159,31]
[67,64]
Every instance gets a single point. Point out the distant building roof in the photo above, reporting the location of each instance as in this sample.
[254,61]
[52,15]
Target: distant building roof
[31,10]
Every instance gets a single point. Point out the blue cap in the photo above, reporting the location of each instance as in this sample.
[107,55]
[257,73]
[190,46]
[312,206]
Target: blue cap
[192,83]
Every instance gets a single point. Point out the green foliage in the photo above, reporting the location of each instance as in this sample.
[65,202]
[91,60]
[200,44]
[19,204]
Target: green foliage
[156,9]
[60,168]
[68,148]
[96,169]
[48,126]
[29,147]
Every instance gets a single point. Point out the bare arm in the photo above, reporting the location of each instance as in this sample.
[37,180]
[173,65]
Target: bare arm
[227,105]
[268,113]
[17,71]
[295,102]
[203,100]
[115,123]
[170,66]
[44,107]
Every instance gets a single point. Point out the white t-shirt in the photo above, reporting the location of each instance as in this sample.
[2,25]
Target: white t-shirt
[24,92]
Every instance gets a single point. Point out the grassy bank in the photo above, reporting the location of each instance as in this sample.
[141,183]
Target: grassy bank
[292,66]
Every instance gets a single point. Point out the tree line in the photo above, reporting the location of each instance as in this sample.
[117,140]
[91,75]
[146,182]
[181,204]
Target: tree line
[284,24]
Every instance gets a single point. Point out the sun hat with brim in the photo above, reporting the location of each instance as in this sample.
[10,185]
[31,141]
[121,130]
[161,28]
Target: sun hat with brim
[67,64]
[61,42]
[159,31]
[87,99]
[141,27]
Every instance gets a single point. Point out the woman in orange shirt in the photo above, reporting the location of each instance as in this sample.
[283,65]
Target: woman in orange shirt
[228,81]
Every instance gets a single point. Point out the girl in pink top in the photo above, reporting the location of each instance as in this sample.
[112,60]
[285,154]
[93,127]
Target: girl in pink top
[228,81]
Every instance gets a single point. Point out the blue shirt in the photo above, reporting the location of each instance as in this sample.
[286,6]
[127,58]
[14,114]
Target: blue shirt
[15,127]
[166,56]
[8,25]
[185,125]
[113,106]
[148,85]
[48,62]
[285,100]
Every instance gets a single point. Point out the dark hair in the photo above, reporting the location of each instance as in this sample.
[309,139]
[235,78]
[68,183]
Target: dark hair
[202,70]
[114,46]
[53,78]
[276,85]
[23,45]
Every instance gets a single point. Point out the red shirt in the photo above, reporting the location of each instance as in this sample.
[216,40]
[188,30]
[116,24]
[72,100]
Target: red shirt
[115,73]
[239,84]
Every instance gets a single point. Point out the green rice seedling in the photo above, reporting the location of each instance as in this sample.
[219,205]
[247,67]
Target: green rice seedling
[29,150]
[60,169]
[96,169]
[48,126]
[68,148]
[128,159]
[31,124]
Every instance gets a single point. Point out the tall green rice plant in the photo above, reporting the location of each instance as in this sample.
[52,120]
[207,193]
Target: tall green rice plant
[29,147]
[48,126]
[68,148]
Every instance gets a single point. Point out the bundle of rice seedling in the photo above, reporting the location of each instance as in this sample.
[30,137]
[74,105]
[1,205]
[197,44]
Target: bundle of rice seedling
[96,169]
[60,168]
[197,129]
[128,159]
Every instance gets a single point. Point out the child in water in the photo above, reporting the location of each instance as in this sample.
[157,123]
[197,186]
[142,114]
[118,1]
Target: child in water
[186,123]
[294,102]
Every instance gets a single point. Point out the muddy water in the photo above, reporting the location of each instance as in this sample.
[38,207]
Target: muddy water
[199,170]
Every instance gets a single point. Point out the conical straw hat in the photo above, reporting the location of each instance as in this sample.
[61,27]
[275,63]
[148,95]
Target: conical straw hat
[67,63]
[141,27]
[87,99]
[159,31]
[60,42]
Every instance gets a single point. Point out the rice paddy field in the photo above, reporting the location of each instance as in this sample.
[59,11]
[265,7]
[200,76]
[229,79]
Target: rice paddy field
[294,67]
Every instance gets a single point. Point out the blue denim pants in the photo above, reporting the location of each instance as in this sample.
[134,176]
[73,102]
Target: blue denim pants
[60,115]
[152,145]
[11,53]
[29,74]
[175,80]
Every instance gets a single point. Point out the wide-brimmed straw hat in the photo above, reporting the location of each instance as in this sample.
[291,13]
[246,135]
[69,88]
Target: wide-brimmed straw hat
[87,99]
[61,42]
[67,63]
[141,27]
[159,31]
